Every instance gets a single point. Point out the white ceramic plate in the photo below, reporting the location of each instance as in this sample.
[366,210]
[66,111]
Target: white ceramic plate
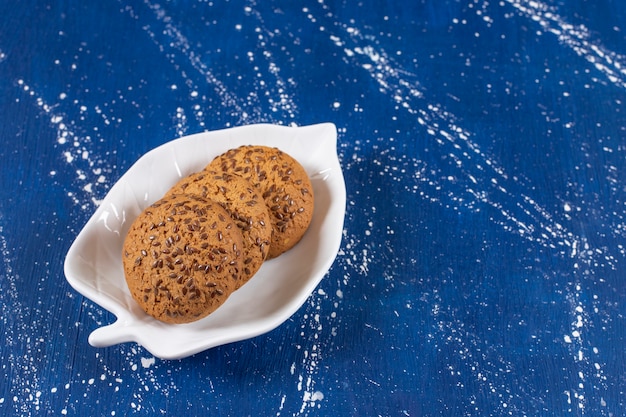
[93,265]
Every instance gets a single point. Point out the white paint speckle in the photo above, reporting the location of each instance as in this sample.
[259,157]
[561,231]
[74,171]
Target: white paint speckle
[147,362]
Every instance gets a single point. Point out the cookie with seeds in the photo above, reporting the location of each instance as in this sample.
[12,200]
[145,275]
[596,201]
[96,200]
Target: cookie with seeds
[182,258]
[244,204]
[284,185]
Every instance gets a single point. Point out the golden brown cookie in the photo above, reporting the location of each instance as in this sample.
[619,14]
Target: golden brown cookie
[283,184]
[244,204]
[182,258]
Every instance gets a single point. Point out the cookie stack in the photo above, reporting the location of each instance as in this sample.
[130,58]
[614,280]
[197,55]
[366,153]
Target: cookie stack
[186,253]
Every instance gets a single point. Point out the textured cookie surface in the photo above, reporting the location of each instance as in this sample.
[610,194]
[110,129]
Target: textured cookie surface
[283,184]
[244,204]
[182,258]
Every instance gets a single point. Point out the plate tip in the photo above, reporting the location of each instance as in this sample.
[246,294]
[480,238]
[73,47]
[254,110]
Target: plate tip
[110,335]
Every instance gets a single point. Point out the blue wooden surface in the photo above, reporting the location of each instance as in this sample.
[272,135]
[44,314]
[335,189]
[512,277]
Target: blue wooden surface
[482,270]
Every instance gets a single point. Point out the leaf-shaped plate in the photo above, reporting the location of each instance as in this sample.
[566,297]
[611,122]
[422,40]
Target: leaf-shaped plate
[93,265]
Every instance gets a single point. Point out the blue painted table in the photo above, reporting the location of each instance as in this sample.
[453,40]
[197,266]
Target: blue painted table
[482,269]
